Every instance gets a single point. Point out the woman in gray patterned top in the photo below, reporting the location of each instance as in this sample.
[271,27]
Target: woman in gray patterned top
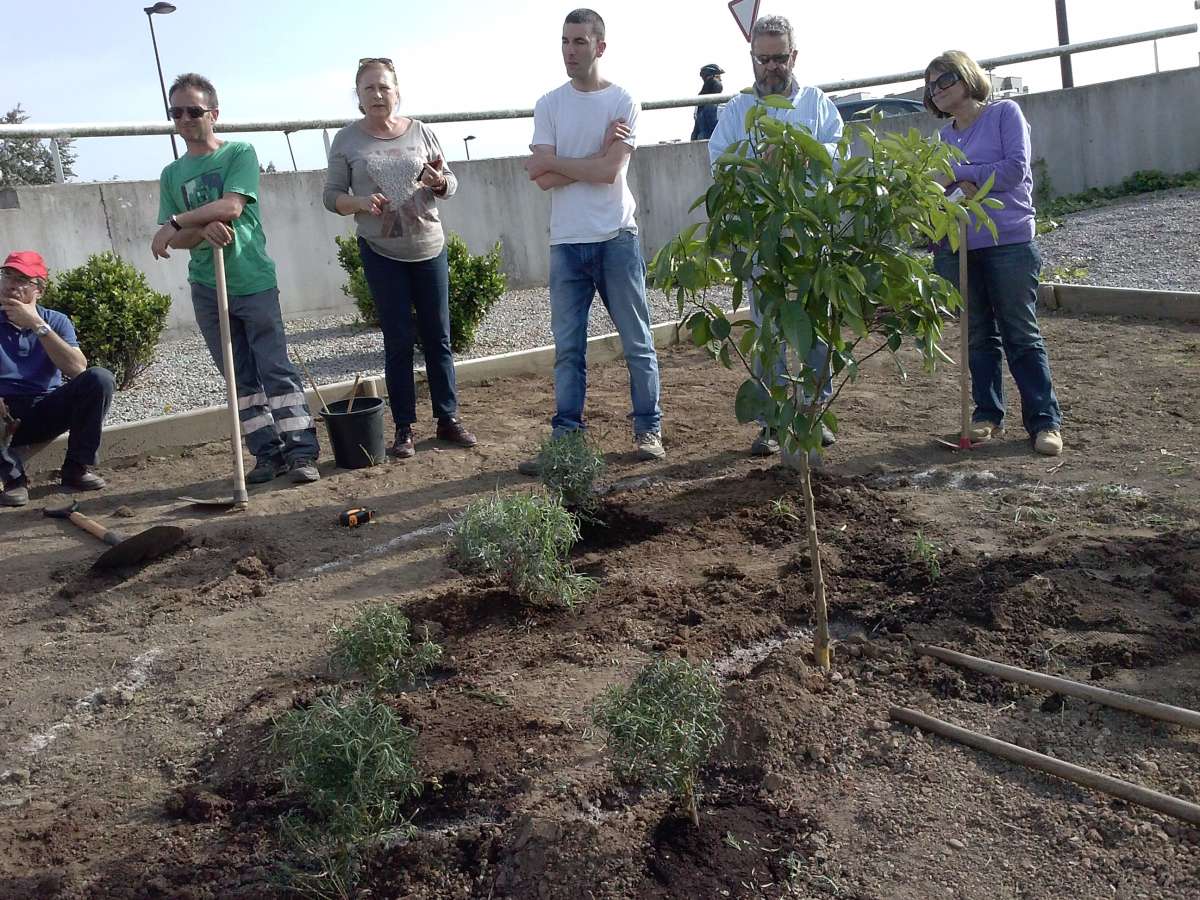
[387,170]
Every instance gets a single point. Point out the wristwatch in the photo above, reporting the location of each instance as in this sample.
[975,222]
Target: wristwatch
[175,223]
[42,330]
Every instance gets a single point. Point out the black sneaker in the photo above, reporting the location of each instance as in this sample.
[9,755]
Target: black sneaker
[267,469]
[304,471]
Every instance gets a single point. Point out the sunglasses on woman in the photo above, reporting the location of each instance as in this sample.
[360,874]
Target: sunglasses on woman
[376,60]
[946,80]
[193,112]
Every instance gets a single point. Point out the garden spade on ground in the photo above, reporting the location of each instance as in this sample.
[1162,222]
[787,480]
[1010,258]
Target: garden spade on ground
[123,551]
[964,441]
[240,498]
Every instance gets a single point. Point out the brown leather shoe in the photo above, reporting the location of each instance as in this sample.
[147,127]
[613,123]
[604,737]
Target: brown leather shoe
[454,432]
[79,478]
[402,447]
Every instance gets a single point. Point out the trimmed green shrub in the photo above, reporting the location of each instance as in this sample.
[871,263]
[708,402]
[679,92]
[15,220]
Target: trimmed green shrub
[117,316]
[380,644]
[521,541]
[663,726]
[476,283]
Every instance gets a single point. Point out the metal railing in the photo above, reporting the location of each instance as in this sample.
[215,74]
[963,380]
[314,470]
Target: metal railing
[71,130]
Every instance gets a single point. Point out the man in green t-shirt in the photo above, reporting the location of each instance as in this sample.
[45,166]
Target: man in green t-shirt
[209,197]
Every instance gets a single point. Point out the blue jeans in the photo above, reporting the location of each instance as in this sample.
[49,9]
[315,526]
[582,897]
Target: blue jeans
[274,414]
[817,360]
[1002,311]
[616,270]
[399,290]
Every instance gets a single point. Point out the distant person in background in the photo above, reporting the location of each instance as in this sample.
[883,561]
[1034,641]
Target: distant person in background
[388,171]
[1003,271]
[706,116]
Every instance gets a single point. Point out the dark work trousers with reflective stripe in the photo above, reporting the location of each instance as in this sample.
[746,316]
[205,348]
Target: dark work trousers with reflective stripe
[276,421]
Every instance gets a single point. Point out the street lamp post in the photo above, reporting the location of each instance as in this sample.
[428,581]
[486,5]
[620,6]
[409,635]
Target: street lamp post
[467,144]
[1060,13]
[161,9]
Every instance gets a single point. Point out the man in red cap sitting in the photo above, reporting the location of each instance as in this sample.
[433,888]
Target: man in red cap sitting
[38,349]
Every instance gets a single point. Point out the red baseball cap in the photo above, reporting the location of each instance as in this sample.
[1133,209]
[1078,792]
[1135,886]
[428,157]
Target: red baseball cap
[27,262]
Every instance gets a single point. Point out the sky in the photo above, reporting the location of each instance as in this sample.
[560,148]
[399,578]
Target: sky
[92,60]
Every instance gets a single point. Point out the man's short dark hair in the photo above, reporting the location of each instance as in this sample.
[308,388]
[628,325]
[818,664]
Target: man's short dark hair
[199,82]
[590,17]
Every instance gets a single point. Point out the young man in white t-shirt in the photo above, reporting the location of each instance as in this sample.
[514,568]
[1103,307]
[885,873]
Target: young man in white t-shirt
[583,136]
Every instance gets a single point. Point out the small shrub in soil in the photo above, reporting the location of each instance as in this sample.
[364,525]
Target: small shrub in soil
[380,645]
[663,726]
[350,759]
[926,553]
[522,541]
[570,465]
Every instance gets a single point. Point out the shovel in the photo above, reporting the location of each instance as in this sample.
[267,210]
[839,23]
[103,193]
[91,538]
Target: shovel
[123,551]
[240,498]
[964,329]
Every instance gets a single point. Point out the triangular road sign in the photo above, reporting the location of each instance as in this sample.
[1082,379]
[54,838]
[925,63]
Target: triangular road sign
[745,12]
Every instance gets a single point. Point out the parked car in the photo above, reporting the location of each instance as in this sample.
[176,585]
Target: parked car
[858,110]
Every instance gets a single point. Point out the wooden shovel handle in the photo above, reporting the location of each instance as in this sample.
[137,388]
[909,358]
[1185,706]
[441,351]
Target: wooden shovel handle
[95,529]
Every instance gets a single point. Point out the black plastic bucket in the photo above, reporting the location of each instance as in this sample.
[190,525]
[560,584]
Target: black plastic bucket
[357,437]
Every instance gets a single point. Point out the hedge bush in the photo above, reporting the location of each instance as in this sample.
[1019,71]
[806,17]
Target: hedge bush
[117,316]
[476,283]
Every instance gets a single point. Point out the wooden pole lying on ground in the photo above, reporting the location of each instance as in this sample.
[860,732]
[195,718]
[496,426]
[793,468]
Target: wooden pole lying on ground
[1128,702]
[1163,803]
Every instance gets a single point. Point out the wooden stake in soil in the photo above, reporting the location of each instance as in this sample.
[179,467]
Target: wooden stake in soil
[1128,702]
[821,636]
[1134,793]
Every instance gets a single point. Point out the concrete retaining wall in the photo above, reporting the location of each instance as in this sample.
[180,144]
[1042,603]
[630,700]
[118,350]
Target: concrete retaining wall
[1089,136]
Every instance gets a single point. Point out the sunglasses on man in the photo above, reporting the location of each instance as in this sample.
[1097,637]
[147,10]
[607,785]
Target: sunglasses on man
[946,80]
[765,59]
[193,112]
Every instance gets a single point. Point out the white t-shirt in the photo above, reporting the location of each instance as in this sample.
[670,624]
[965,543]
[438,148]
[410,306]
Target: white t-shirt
[573,122]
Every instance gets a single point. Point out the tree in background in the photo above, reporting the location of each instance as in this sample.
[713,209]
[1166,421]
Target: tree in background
[25,161]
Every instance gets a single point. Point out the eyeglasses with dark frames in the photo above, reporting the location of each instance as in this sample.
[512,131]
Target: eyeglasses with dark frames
[193,112]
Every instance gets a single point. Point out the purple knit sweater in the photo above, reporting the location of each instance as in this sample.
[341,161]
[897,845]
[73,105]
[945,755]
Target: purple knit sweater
[998,143]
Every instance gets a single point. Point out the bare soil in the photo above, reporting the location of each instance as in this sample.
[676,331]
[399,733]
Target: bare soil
[134,706]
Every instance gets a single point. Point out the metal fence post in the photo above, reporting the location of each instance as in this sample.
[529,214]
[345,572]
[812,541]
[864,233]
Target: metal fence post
[57,157]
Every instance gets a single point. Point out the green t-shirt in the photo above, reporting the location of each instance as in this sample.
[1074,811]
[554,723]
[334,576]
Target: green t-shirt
[191,182]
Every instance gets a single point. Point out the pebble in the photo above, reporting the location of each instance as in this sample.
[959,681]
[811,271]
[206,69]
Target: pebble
[957,844]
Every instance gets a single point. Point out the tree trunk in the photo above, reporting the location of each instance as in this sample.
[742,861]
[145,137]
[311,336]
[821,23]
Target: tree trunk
[821,649]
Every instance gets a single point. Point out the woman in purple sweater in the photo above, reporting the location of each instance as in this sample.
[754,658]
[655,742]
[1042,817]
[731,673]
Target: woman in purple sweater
[1003,271]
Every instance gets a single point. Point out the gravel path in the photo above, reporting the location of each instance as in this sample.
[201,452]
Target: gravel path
[1144,242]
[335,348]
[1148,241]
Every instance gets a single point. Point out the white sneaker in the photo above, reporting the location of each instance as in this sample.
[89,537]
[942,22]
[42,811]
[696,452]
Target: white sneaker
[649,445]
[985,431]
[1048,443]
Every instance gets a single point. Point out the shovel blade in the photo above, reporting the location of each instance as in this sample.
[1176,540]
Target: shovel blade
[143,547]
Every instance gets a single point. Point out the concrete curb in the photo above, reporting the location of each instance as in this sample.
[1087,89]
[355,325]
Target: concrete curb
[1087,299]
[200,426]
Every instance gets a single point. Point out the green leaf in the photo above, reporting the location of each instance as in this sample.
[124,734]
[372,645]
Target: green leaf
[777,102]
[751,402]
[797,327]
[720,327]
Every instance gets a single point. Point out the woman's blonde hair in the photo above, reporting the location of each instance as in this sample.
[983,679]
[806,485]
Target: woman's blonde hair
[373,62]
[979,86]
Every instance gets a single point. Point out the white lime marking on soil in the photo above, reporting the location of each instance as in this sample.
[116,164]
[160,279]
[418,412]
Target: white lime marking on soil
[395,542]
[743,659]
[124,688]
